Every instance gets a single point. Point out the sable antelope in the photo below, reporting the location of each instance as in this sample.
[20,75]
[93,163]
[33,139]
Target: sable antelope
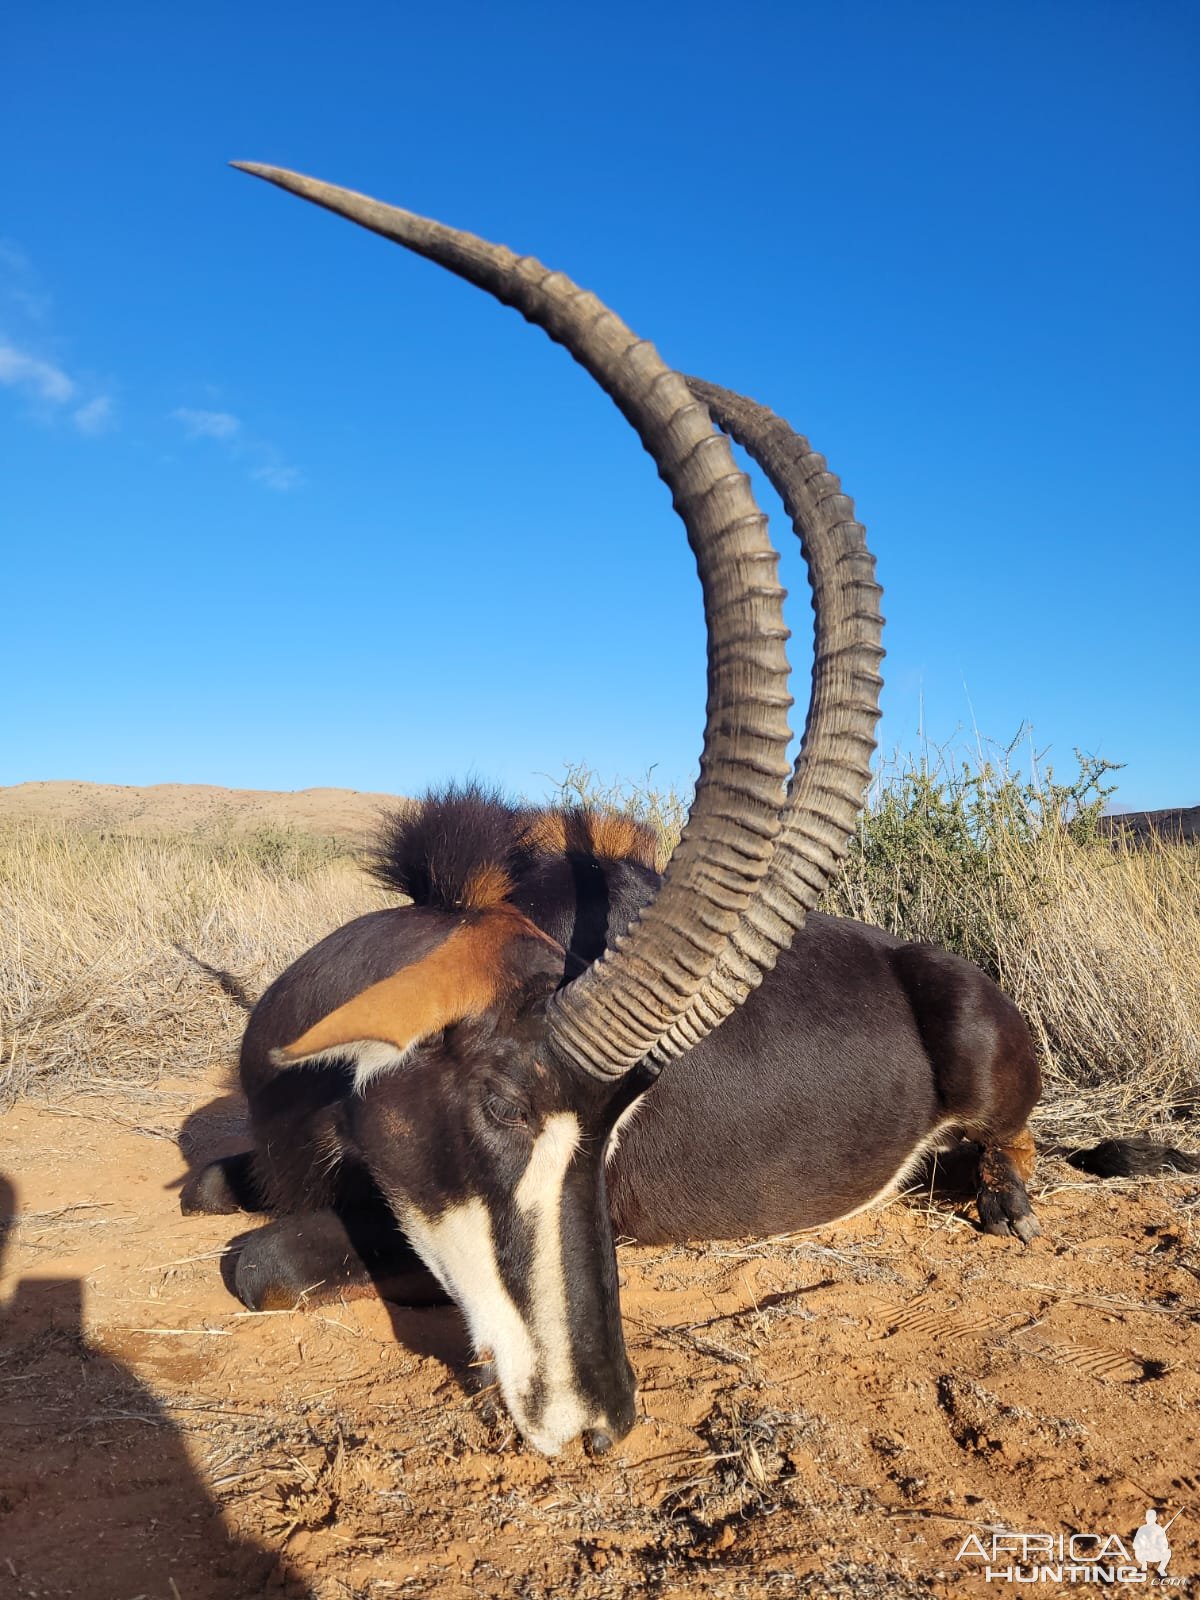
[471,1084]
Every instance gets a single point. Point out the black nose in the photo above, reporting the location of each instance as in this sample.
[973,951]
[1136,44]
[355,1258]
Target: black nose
[597,1441]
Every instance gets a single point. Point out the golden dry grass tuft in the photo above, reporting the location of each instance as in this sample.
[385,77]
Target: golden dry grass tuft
[103,937]
[1097,940]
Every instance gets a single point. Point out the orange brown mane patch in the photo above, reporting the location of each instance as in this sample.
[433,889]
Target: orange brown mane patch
[466,848]
[487,887]
[608,835]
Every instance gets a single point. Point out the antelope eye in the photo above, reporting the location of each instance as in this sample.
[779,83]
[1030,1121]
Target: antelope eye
[508,1113]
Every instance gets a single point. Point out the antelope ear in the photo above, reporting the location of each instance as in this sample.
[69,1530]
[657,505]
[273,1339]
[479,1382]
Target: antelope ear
[455,980]
[463,977]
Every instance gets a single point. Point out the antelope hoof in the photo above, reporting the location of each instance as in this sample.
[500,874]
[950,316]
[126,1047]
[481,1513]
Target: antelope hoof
[266,1278]
[1002,1199]
[1026,1228]
[210,1192]
[1004,1222]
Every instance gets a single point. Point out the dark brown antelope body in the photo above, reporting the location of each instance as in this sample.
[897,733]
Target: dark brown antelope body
[468,1092]
[856,1055]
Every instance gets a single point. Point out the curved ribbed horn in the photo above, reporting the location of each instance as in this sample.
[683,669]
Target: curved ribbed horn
[614,1015]
[833,769]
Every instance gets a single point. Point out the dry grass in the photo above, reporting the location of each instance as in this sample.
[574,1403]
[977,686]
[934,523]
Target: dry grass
[106,939]
[1097,941]
[1108,974]
[101,936]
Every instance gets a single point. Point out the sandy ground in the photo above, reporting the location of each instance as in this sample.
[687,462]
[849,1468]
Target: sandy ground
[830,1415]
[188,807]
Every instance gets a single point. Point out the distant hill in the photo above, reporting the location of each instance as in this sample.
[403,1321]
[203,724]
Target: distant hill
[193,807]
[1181,825]
[337,813]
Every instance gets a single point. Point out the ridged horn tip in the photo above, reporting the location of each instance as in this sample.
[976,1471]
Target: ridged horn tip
[282,176]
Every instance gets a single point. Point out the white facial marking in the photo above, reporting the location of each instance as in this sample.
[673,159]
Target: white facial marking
[459,1249]
[539,1197]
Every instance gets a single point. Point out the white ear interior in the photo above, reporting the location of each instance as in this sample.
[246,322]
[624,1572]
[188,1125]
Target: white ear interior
[369,1057]
[372,1056]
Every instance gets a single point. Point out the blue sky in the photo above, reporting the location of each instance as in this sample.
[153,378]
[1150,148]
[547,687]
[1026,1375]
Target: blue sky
[283,506]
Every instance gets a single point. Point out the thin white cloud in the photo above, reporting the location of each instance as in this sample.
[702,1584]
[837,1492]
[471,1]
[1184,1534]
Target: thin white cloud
[95,417]
[260,458]
[207,424]
[19,370]
[19,284]
[49,391]
[278,477]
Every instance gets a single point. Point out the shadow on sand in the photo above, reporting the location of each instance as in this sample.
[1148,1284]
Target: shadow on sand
[97,1496]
